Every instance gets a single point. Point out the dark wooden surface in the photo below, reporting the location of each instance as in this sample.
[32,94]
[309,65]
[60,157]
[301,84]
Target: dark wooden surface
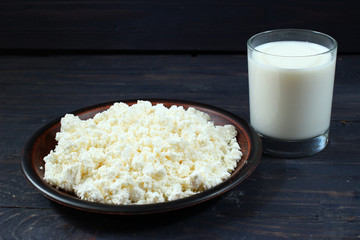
[200,25]
[316,197]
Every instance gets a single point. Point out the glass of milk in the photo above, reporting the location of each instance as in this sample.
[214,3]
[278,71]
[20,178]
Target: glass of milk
[291,80]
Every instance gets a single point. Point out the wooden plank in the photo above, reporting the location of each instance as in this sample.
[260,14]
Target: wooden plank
[168,25]
[66,83]
[247,221]
[314,197]
[308,198]
[330,176]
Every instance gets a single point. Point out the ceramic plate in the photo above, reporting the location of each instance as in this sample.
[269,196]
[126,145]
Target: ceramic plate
[40,144]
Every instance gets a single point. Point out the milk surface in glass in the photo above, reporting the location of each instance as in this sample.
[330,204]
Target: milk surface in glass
[291,87]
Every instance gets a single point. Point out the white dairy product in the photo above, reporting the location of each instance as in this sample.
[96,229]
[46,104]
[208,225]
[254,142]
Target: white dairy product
[291,87]
[141,154]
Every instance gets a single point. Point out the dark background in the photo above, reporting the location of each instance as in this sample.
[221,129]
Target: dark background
[169,25]
[57,56]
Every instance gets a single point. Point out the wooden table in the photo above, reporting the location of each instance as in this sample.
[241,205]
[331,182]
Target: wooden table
[316,197]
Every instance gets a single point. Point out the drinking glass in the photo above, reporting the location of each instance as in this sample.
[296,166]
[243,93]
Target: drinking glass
[291,80]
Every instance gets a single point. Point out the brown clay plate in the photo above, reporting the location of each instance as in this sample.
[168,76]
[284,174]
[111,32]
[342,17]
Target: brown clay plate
[40,144]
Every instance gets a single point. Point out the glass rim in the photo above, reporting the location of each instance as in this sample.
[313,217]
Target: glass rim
[335,44]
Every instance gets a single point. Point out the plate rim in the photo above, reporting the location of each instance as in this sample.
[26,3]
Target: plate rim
[53,194]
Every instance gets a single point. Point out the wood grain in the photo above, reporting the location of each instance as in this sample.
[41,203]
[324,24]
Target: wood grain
[308,198]
[65,83]
[211,25]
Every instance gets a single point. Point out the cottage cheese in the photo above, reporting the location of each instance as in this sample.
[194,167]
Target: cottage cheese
[141,154]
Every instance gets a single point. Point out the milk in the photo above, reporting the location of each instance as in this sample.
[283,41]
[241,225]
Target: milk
[291,87]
